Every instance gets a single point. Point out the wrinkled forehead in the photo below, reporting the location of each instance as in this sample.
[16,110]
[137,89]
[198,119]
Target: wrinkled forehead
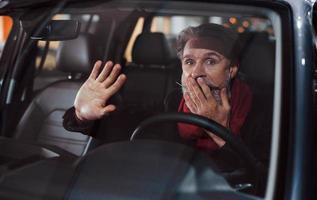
[210,43]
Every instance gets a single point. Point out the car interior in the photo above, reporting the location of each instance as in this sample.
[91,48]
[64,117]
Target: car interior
[42,120]
[153,73]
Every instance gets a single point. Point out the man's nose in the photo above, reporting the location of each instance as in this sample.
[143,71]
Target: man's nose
[198,71]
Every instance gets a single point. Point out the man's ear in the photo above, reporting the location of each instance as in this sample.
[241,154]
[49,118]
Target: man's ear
[233,70]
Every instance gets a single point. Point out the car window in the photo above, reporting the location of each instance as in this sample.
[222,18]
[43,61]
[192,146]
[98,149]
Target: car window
[5,28]
[46,71]
[144,39]
[6,25]
[137,30]
[314,23]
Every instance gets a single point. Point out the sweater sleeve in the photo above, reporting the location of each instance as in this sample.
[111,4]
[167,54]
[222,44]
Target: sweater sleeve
[72,123]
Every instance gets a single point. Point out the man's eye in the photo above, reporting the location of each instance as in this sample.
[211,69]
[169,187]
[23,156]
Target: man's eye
[188,61]
[211,61]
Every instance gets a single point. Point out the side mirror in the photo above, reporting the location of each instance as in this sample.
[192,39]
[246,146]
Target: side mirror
[59,30]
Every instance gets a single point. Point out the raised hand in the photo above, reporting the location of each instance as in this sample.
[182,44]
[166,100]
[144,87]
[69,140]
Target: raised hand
[91,99]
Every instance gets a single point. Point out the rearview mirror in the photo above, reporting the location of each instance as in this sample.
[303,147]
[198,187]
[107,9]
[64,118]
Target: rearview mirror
[59,30]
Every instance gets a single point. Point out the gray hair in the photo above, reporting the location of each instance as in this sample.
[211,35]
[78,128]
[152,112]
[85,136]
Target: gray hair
[228,38]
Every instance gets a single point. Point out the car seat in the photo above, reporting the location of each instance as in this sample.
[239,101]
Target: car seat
[42,121]
[152,74]
[150,77]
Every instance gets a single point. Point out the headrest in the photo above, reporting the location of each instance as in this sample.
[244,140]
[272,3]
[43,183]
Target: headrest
[258,58]
[151,49]
[78,55]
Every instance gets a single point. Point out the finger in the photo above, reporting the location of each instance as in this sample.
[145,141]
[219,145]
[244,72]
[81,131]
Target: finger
[95,70]
[108,109]
[190,104]
[113,76]
[116,85]
[225,99]
[205,88]
[212,100]
[191,95]
[105,71]
[195,92]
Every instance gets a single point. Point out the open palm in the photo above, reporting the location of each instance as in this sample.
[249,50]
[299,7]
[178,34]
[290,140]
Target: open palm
[91,99]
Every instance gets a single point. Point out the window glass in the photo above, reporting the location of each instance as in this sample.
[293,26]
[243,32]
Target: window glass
[46,68]
[5,28]
[314,23]
[226,76]
[137,30]
[172,25]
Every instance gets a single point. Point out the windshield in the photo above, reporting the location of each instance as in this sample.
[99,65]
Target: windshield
[200,74]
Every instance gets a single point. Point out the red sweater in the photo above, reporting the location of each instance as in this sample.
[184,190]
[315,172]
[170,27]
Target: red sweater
[241,100]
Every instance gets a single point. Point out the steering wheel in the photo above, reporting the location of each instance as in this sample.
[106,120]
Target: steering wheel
[254,167]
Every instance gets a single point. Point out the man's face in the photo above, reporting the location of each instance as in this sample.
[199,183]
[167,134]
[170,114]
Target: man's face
[212,66]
